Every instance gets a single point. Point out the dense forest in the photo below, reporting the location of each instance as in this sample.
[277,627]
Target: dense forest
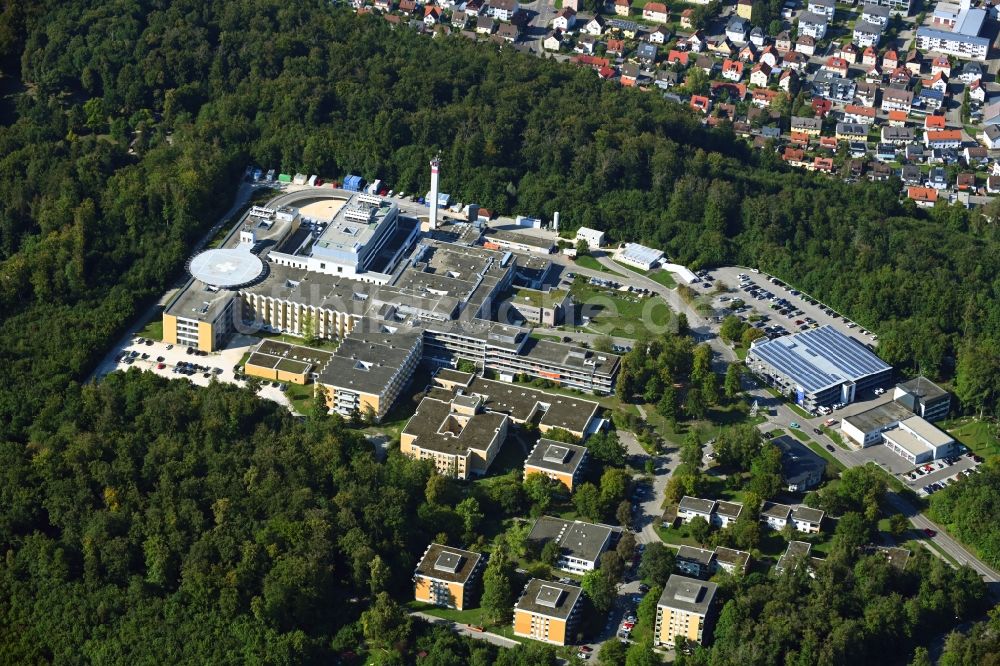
[970,508]
[145,521]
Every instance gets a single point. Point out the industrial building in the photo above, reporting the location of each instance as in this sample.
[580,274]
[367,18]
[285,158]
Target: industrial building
[903,432]
[818,367]
[685,608]
[638,256]
[592,237]
[448,577]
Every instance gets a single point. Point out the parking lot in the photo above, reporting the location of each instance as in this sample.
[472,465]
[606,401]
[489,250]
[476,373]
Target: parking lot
[173,355]
[941,473]
[806,312]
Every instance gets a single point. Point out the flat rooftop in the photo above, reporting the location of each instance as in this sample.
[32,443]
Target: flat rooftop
[641,253]
[687,594]
[556,456]
[549,598]
[922,388]
[879,417]
[819,358]
[369,357]
[577,358]
[927,431]
[353,225]
[537,298]
[732,557]
[692,554]
[453,565]
[585,541]
[521,402]
[286,357]
[527,240]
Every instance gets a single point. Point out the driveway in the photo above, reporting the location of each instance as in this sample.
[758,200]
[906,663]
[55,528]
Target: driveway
[464,630]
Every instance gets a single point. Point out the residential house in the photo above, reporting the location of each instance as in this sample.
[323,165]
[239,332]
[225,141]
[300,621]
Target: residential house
[971,71]
[432,15]
[828,143]
[943,139]
[822,164]
[552,41]
[939,82]
[837,89]
[787,80]
[472,7]
[630,74]
[913,153]
[676,57]
[706,63]
[384,5]
[884,152]
[801,518]
[991,136]
[686,19]
[548,611]
[965,181]
[881,172]
[486,25]
[822,7]
[991,114]
[564,20]
[594,26]
[700,103]
[695,562]
[822,107]
[837,65]
[977,93]
[760,75]
[852,131]
[869,57]
[757,36]
[914,62]
[690,508]
[975,156]
[744,9]
[925,197]
[591,61]
[894,99]
[646,53]
[795,61]
[937,178]
[810,126]
[511,32]
[890,61]
[897,119]
[799,139]
[615,47]
[656,12]
[623,7]
[666,78]
[930,100]
[407,6]
[722,47]
[806,45]
[696,42]
[875,13]
[737,29]
[732,70]
[934,122]
[813,25]
[897,136]
[874,75]
[572,4]
[866,93]
[993,184]
[459,19]
[849,53]
[900,78]
[503,10]
[448,577]
[783,42]
[854,113]
[762,97]
[941,65]
[660,35]
[867,34]
[769,56]
[748,54]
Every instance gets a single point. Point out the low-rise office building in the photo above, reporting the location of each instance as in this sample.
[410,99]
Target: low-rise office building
[547,611]
[282,362]
[903,432]
[581,544]
[546,308]
[685,608]
[639,256]
[557,460]
[818,367]
[448,577]
[592,237]
[924,398]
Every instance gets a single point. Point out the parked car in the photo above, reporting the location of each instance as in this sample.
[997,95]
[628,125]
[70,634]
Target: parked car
[930,533]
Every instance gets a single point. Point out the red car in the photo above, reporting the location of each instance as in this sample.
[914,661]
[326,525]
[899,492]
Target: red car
[930,533]
[586,648]
[160,366]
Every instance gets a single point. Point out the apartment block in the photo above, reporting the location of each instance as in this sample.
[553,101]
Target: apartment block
[448,577]
[685,608]
[547,611]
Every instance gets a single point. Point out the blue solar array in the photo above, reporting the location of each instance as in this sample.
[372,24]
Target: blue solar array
[819,358]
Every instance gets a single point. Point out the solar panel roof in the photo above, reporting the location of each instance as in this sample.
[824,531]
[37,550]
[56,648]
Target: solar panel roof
[819,358]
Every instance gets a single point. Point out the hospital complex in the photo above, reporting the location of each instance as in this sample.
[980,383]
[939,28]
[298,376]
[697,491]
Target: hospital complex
[394,291]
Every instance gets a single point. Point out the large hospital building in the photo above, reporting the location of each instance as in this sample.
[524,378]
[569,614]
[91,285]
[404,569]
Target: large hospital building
[318,262]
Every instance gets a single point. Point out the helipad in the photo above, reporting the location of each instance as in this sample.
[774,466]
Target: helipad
[227,268]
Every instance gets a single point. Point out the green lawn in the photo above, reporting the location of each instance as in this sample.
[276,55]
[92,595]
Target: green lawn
[835,436]
[820,450]
[320,343]
[663,277]
[473,616]
[587,261]
[978,436]
[153,330]
[620,314]
[676,536]
[300,396]
[801,435]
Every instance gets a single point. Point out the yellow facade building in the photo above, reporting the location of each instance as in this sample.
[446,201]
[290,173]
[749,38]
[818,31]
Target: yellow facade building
[547,611]
[556,460]
[448,577]
[684,609]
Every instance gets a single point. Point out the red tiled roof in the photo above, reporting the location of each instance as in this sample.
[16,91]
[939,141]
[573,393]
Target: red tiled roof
[928,194]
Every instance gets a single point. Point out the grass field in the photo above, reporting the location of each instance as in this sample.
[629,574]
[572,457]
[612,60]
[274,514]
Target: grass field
[620,314]
[473,616]
[153,330]
[664,278]
[587,261]
[800,435]
[324,344]
[974,434]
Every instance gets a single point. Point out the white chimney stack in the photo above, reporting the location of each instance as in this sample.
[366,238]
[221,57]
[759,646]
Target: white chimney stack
[555,222]
[433,218]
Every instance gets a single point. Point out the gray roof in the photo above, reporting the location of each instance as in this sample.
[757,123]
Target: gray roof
[555,456]
[688,594]
[696,504]
[436,429]
[775,510]
[873,9]
[728,509]
[732,557]
[692,554]
[795,549]
[521,402]
[878,418]
[585,541]
[922,387]
[370,357]
[548,598]
[449,564]
[819,358]
[806,514]
[798,462]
